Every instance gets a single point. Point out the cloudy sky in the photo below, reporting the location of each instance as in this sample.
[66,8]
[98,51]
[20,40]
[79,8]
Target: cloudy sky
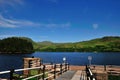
[59,20]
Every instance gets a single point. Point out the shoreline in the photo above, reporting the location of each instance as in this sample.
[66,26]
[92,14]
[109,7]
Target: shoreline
[55,52]
[76,67]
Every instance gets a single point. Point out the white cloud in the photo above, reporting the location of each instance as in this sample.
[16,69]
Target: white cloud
[10,23]
[11,2]
[95,26]
[57,25]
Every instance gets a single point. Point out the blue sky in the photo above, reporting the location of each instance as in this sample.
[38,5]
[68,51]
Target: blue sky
[59,20]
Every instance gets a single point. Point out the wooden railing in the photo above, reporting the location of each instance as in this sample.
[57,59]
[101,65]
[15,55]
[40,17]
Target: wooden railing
[110,69]
[89,73]
[83,75]
[45,71]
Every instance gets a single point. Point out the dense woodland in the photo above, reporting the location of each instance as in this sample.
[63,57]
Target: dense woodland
[27,45]
[15,45]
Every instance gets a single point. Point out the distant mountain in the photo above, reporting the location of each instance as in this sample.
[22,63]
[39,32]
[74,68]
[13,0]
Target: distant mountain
[45,43]
[105,44]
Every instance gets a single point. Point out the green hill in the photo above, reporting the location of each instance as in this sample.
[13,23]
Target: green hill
[105,44]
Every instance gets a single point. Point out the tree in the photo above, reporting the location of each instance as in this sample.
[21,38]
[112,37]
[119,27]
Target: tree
[15,45]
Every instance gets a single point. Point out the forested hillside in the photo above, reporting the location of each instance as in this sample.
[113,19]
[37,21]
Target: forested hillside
[15,45]
[27,45]
[105,44]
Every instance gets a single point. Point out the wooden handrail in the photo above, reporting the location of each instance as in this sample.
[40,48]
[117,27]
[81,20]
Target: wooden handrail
[63,68]
[89,73]
[3,72]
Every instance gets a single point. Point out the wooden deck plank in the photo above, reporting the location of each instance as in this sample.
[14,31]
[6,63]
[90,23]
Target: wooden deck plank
[77,75]
[66,76]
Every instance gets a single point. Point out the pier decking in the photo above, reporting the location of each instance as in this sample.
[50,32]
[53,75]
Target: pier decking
[66,76]
[33,69]
[79,75]
[75,73]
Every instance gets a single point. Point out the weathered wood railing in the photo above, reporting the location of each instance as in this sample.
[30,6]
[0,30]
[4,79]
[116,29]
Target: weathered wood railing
[52,70]
[110,69]
[89,73]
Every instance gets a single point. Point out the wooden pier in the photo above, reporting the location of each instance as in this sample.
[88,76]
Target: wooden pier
[62,71]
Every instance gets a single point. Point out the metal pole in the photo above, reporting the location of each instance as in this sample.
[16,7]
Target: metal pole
[89,62]
[89,58]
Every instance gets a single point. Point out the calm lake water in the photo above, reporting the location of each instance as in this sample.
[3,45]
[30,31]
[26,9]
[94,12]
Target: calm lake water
[9,61]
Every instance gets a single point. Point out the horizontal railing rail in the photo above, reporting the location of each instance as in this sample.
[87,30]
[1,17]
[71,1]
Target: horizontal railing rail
[44,71]
[3,72]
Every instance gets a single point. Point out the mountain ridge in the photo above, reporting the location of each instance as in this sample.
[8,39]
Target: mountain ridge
[104,44]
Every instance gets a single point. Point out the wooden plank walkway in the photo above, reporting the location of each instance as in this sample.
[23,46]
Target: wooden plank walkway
[66,76]
[73,75]
[77,75]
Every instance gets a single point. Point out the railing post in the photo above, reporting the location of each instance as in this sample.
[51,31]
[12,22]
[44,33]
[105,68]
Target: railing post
[39,71]
[91,77]
[11,74]
[43,76]
[87,72]
[104,67]
[55,71]
[65,67]
[60,68]
[68,67]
